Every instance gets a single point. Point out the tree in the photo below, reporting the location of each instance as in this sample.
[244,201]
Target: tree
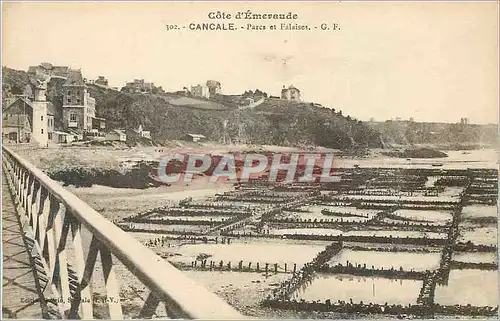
[16,90]
[260,93]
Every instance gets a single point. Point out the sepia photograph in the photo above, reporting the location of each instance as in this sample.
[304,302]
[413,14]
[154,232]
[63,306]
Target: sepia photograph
[250,160]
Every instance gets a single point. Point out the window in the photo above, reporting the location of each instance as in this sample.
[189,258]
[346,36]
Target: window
[78,100]
[72,117]
[42,131]
[50,135]
[41,117]
[69,100]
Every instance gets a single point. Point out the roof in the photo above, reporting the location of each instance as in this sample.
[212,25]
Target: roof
[61,133]
[99,118]
[50,107]
[46,65]
[196,136]
[118,131]
[60,71]
[74,132]
[12,101]
[8,102]
[290,88]
[75,78]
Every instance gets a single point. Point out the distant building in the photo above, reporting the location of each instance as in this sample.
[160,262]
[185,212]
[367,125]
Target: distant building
[101,80]
[200,91]
[247,101]
[214,87]
[47,70]
[98,123]
[194,137]
[137,135]
[139,86]
[290,93]
[60,137]
[464,121]
[118,135]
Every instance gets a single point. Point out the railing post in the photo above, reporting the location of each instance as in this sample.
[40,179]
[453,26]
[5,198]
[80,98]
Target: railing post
[61,233]
[20,188]
[29,199]
[112,287]
[35,206]
[83,295]
[19,184]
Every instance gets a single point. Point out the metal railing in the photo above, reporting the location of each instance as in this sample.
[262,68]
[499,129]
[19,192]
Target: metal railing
[49,214]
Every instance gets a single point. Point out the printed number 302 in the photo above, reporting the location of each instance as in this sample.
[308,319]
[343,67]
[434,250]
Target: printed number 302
[172,27]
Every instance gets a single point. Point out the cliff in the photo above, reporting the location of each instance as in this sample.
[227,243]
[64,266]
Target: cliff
[440,135]
[172,116]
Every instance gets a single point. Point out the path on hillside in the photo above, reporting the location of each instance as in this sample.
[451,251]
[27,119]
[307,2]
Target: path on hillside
[254,104]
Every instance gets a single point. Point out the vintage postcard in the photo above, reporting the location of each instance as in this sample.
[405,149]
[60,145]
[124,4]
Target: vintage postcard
[234,160]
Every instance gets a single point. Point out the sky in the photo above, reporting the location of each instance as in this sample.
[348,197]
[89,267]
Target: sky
[428,61]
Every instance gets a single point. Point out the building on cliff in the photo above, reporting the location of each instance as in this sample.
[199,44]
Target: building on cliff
[290,93]
[138,86]
[101,80]
[214,87]
[200,91]
[47,70]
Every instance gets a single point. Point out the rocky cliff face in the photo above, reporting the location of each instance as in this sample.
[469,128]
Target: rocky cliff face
[444,135]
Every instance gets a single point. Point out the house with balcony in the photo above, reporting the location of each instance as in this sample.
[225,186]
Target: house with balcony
[79,108]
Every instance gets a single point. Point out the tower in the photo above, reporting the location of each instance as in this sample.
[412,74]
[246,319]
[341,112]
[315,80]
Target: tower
[39,120]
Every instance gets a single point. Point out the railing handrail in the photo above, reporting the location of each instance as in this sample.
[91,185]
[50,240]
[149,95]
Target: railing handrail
[190,299]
